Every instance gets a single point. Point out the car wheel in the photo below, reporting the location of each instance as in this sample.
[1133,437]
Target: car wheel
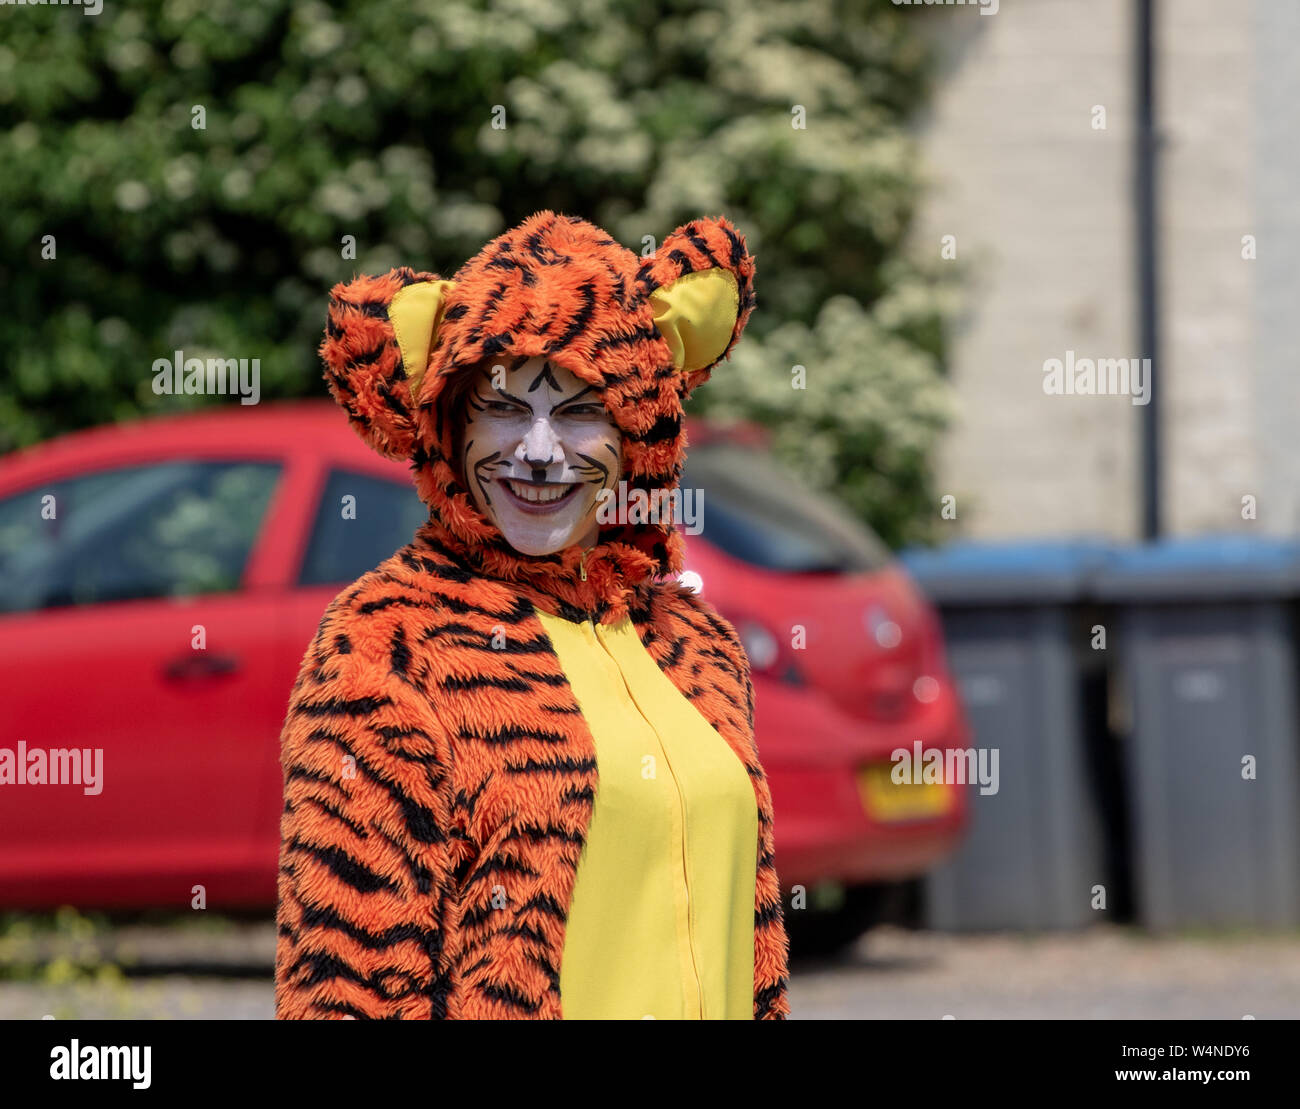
[822,930]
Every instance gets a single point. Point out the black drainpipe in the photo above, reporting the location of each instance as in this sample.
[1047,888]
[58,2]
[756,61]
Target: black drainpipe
[1145,204]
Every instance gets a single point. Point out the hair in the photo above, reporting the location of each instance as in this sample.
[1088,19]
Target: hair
[454,402]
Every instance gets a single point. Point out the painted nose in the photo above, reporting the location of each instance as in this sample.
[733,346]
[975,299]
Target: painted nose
[540,448]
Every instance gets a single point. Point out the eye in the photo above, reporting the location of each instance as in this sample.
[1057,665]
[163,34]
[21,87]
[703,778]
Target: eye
[585,410]
[500,406]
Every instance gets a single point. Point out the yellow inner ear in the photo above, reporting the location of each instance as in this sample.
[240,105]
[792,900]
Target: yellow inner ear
[696,314]
[415,313]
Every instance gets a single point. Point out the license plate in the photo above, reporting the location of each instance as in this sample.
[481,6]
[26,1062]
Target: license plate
[886,800]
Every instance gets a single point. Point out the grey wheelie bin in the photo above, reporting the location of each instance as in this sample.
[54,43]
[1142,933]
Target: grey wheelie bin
[1206,685]
[1018,633]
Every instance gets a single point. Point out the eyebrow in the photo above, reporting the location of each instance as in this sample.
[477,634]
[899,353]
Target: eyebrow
[558,404]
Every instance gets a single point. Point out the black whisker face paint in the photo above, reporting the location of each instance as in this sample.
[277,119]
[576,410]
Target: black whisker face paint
[572,441]
[544,375]
[475,399]
[579,393]
[598,470]
[485,466]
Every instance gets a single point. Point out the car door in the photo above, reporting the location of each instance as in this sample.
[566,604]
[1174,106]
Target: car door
[359,515]
[125,635]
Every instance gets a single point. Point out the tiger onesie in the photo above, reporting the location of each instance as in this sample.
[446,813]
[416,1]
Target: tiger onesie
[467,740]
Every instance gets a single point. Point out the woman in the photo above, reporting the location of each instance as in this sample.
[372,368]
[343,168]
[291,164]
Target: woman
[519,764]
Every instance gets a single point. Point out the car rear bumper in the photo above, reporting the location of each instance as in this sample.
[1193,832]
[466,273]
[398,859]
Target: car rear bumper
[814,755]
[813,847]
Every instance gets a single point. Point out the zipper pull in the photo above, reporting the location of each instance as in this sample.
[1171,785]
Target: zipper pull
[582,564]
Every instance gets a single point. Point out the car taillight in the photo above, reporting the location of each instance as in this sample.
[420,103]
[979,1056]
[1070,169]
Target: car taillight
[908,673]
[759,643]
[926,689]
[887,690]
[929,684]
[765,653]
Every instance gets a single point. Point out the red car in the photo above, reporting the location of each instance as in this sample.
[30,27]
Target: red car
[159,582]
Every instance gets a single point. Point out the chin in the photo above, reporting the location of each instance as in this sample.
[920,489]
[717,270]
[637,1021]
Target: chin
[535,541]
[538,535]
[536,549]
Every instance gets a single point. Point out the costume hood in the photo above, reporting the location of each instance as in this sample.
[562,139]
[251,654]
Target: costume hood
[645,332]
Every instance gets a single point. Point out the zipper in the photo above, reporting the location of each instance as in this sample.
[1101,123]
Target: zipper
[681,808]
[690,931]
[582,564]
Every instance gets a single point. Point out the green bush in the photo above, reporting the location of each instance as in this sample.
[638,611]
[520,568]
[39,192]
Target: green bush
[374,119]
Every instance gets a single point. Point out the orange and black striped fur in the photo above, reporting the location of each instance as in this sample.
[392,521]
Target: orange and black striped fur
[438,773]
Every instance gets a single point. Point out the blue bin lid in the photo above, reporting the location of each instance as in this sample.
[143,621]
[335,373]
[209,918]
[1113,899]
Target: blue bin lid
[1027,571]
[1205,566]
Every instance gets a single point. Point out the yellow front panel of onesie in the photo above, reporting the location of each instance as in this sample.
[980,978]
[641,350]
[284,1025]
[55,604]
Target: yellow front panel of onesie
[661,923]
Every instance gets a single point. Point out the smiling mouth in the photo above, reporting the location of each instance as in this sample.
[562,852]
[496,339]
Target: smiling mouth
[544,496]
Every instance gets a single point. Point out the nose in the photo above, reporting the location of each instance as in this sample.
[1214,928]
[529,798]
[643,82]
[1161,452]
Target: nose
[539,448]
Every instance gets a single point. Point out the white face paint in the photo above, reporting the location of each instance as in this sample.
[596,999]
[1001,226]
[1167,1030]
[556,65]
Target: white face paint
[538,446]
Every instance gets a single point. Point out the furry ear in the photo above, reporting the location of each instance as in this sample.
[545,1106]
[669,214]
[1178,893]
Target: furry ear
[696,315]
[378,337]
[700,283]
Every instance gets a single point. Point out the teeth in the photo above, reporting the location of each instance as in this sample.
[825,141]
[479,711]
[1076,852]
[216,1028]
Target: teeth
[526,492]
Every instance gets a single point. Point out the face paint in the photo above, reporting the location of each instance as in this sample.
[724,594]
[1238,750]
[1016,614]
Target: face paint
[538,447]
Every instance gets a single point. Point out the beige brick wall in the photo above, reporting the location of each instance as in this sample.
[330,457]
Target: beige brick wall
[1275,305]
[1204,105]
[1041,204]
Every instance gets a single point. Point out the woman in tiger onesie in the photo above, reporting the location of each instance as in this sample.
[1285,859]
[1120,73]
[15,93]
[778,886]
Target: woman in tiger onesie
[520,776]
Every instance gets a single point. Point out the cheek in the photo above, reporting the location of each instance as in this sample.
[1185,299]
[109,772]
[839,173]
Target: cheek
[463,449]
[481,438]
[475,448]
[615,458]
[605,445]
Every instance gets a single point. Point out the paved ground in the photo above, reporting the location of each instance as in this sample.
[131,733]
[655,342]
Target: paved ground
[1106,972]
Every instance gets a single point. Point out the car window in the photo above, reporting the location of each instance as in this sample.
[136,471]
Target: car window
[170,529]
[755,511]
[351,537]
